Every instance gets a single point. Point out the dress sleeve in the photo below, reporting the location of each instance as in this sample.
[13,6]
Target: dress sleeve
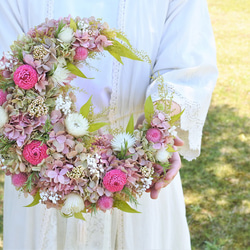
[10,23]
[187,61]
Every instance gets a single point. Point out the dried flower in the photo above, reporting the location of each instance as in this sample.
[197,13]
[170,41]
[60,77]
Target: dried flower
[60,75]
[73,204]
[122,140]
[35,152]
[81,53]
[18,180]
[66,35]
[4,117]
[114,180]
[76,124]
[3,95]
[163,155]
[25,77]
[105,203]
[154,135]
[37,107]
[39,52]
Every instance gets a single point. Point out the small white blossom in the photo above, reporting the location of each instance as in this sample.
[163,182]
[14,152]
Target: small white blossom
[173,131]
[73,204]
[119,141]
[49,195]
[76,124]
[66,35]
[82,25]
[163,155]
[63,104]
[94,167]
[3,117]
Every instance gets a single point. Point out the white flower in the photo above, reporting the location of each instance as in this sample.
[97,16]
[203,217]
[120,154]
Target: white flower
[163,155]
[73,204]
[173,131]
[76,124]
[60,75]
[119,140]
[63,104]
[3,117]
[66,35]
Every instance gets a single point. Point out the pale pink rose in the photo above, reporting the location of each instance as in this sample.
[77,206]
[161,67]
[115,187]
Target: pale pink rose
[81,54]
[105,203]
[18,180]
[154,135]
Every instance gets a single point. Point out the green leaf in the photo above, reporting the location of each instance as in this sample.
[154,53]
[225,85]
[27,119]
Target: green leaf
[118,50]
[35,201]
[171,149]
[84,111]
[124,206]
[148,109]
[73,25]
[130,126]
[79,216]
[123,38]
[95,126]
[175,118]
[74,70]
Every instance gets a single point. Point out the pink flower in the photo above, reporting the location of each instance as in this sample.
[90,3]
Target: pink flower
[3,95]
[101,42]
[105,203]
[154,135]
[114,180]
[25,77]
[81,54]
[19,179]
[35,152]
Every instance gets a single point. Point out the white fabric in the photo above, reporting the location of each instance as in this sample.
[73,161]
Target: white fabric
[178,38]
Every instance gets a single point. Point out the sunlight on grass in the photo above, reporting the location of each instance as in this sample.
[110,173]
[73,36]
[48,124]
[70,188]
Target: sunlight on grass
[225,171]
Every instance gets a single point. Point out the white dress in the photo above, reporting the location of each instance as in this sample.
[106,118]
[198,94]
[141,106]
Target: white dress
[177,36]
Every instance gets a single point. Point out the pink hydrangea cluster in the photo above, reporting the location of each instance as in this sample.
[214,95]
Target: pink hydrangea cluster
[3,95]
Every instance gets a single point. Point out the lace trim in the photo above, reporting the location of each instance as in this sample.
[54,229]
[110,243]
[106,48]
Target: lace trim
[117,70]
[190,127]
[50,9]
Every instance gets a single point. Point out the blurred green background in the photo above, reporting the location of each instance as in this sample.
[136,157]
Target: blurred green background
[216,185]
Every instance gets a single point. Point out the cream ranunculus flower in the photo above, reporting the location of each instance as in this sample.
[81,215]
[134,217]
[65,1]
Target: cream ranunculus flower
[66,35]
[3,117]
[73,204]
[119,140]
[76,124]
[163,155]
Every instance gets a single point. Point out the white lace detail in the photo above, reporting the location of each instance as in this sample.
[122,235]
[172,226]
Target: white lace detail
[116,70]
[50,9]
[191,126]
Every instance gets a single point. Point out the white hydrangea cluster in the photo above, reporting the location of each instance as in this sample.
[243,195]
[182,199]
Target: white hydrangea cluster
[9,61]
[64,104]
[94,167]
[49,195]
[82,25]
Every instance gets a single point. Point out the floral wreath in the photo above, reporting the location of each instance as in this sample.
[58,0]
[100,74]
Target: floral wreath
[57,154]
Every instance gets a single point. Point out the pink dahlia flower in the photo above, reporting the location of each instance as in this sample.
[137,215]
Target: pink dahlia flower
[154,135]
[35,152]
[114,180]
[105,203]
[3,95]
[25,77]
[18,180]
[81,53]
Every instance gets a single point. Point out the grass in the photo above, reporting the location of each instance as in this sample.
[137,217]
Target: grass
[216,184]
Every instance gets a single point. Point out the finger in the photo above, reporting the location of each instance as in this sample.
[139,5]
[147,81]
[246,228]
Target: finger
[178,141]
[154,193]
[174,168]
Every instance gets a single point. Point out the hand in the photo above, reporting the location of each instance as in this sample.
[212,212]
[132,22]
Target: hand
[171,173]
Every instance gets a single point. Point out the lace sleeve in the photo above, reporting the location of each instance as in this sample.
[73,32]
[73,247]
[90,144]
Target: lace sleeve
[187,61]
